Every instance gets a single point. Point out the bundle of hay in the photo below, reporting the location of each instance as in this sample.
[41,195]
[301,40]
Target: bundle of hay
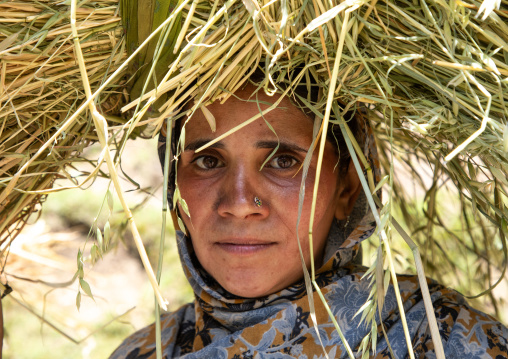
[430,75]
[41,87]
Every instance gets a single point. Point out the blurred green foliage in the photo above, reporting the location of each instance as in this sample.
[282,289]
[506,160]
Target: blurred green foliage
[77,209]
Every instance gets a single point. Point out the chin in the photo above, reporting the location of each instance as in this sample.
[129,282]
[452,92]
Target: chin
[254,286]
[249,288]
[249,292]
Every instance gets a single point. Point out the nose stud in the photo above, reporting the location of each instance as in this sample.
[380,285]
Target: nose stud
[258,202]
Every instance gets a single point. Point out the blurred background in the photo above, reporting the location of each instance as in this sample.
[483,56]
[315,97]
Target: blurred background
[42,262]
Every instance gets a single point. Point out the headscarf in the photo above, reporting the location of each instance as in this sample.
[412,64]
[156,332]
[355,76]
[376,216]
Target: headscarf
[220,325]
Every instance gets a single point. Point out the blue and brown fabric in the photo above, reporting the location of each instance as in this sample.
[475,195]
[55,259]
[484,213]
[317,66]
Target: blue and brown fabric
[279,326]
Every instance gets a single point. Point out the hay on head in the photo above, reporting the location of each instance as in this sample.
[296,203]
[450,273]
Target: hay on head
[41,87]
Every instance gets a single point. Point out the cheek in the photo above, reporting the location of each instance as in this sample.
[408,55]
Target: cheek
[197,196]
[326,203]
[327,190]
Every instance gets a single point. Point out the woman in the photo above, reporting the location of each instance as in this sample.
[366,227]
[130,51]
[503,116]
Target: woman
[242,259]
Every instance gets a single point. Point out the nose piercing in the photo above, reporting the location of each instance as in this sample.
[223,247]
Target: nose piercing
[258,202]
[347,222]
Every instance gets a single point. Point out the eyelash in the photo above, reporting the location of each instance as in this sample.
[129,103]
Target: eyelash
[203,157]
[294,160]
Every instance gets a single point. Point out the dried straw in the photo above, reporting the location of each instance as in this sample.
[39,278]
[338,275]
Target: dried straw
[41,87]
[430,75]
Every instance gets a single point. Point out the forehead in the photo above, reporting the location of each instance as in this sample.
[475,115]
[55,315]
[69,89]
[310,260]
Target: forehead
[287,120]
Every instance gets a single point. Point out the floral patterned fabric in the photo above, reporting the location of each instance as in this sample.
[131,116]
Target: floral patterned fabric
[279,326]
[217,325]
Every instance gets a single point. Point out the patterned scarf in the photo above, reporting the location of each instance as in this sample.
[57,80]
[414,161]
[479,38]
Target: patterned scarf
[220,325]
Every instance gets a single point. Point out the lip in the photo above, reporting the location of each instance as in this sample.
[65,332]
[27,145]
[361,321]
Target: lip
[243,246]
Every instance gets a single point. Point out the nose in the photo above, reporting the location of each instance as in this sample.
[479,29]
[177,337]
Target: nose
[241,196]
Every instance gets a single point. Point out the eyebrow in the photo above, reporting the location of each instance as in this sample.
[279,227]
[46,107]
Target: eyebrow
[283,146]
[194,145]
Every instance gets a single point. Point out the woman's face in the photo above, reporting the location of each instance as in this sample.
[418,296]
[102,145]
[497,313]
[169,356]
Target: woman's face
[252,250]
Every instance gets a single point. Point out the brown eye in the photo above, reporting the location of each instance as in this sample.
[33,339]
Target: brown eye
[283,162]
[208,162]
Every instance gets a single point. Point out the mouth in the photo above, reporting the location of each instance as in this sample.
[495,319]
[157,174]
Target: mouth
[244,246]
